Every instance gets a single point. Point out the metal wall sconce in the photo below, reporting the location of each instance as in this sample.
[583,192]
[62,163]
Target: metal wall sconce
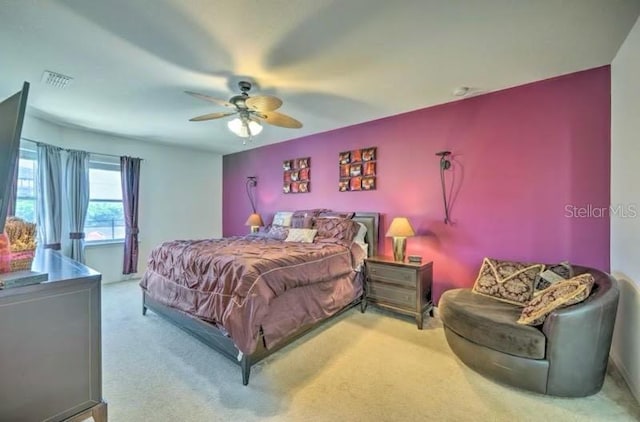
[254,220]
[445,164]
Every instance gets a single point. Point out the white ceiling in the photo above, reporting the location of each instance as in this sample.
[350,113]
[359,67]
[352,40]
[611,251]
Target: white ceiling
[334,63]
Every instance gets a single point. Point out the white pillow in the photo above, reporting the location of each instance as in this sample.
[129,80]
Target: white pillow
[364,247]
[362,232]
[301,235]
[282,218]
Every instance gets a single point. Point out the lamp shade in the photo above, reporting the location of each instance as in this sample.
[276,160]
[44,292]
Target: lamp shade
[254,220]
[244,127]
[400,227]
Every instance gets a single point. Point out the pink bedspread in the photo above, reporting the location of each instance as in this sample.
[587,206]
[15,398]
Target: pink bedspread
[232,282]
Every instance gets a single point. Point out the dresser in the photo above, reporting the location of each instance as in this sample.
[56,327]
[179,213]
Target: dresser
[50,345]
[402,287]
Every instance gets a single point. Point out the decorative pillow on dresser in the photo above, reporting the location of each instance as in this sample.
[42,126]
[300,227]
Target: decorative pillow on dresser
[301,235]
[332,229]
[507,281]
[558,295]
[553,274]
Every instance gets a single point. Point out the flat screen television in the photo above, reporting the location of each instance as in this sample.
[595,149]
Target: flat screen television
[11,117]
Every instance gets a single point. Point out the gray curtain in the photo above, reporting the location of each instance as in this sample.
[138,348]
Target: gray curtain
[13,191]
[78,200]
[130,174]
[49,183]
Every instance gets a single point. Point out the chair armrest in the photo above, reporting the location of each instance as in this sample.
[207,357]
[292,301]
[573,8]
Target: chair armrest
[579,339]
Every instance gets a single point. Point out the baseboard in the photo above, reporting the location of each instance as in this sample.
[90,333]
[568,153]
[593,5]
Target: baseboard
[122,280]
[635,391]
[625,342]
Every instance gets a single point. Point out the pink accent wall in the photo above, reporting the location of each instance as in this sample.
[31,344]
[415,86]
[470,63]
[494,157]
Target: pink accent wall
[520,157]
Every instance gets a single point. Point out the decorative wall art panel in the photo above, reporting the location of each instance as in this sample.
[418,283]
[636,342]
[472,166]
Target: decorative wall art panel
[357,169]
[297,175]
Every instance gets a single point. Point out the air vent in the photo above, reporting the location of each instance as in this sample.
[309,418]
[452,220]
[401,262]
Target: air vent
[57,80]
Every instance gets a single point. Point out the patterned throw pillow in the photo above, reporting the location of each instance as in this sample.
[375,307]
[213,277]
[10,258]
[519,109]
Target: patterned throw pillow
[559,295]
[301,235]
[343,229]
[282,218]
[336,214]
[507,281]
[278,232]
[553,274]
[303,219]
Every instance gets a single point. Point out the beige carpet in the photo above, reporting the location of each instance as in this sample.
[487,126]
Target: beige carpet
[362,367]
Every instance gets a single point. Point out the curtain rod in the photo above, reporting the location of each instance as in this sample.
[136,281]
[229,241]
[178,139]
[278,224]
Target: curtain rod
[69,149]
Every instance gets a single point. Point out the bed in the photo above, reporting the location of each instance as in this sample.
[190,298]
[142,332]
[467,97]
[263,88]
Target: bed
[248,296]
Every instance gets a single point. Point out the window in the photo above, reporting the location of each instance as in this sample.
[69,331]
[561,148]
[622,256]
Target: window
[105,215]
[26,192]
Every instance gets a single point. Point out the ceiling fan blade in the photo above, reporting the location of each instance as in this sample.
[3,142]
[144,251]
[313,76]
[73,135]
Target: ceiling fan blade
[212,116]
[278,119]
[211,99]
[263,103]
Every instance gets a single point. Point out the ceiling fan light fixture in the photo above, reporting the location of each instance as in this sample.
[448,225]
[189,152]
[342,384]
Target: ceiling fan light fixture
[251,112]
[244,127]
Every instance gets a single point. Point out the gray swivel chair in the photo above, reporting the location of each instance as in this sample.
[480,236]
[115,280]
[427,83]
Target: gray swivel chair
[566,356]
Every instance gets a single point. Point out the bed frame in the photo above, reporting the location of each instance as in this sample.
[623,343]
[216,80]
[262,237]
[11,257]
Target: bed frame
[213,337]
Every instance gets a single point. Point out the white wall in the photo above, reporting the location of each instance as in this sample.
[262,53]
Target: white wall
[625,190]
[180,191]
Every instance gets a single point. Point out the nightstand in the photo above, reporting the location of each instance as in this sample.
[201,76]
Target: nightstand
[403,287]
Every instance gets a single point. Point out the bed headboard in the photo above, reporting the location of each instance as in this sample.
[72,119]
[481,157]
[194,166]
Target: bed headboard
[372,221]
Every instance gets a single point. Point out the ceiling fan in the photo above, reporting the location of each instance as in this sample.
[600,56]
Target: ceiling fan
[251,111]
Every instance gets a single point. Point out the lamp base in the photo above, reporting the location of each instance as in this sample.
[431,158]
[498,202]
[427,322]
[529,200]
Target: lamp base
[399,248]
[255,229]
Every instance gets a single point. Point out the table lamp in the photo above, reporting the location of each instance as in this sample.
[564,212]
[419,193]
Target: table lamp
[255,221]
[400,229]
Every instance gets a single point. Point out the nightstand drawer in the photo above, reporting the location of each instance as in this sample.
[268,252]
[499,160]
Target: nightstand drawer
[397,275]
[392,294]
